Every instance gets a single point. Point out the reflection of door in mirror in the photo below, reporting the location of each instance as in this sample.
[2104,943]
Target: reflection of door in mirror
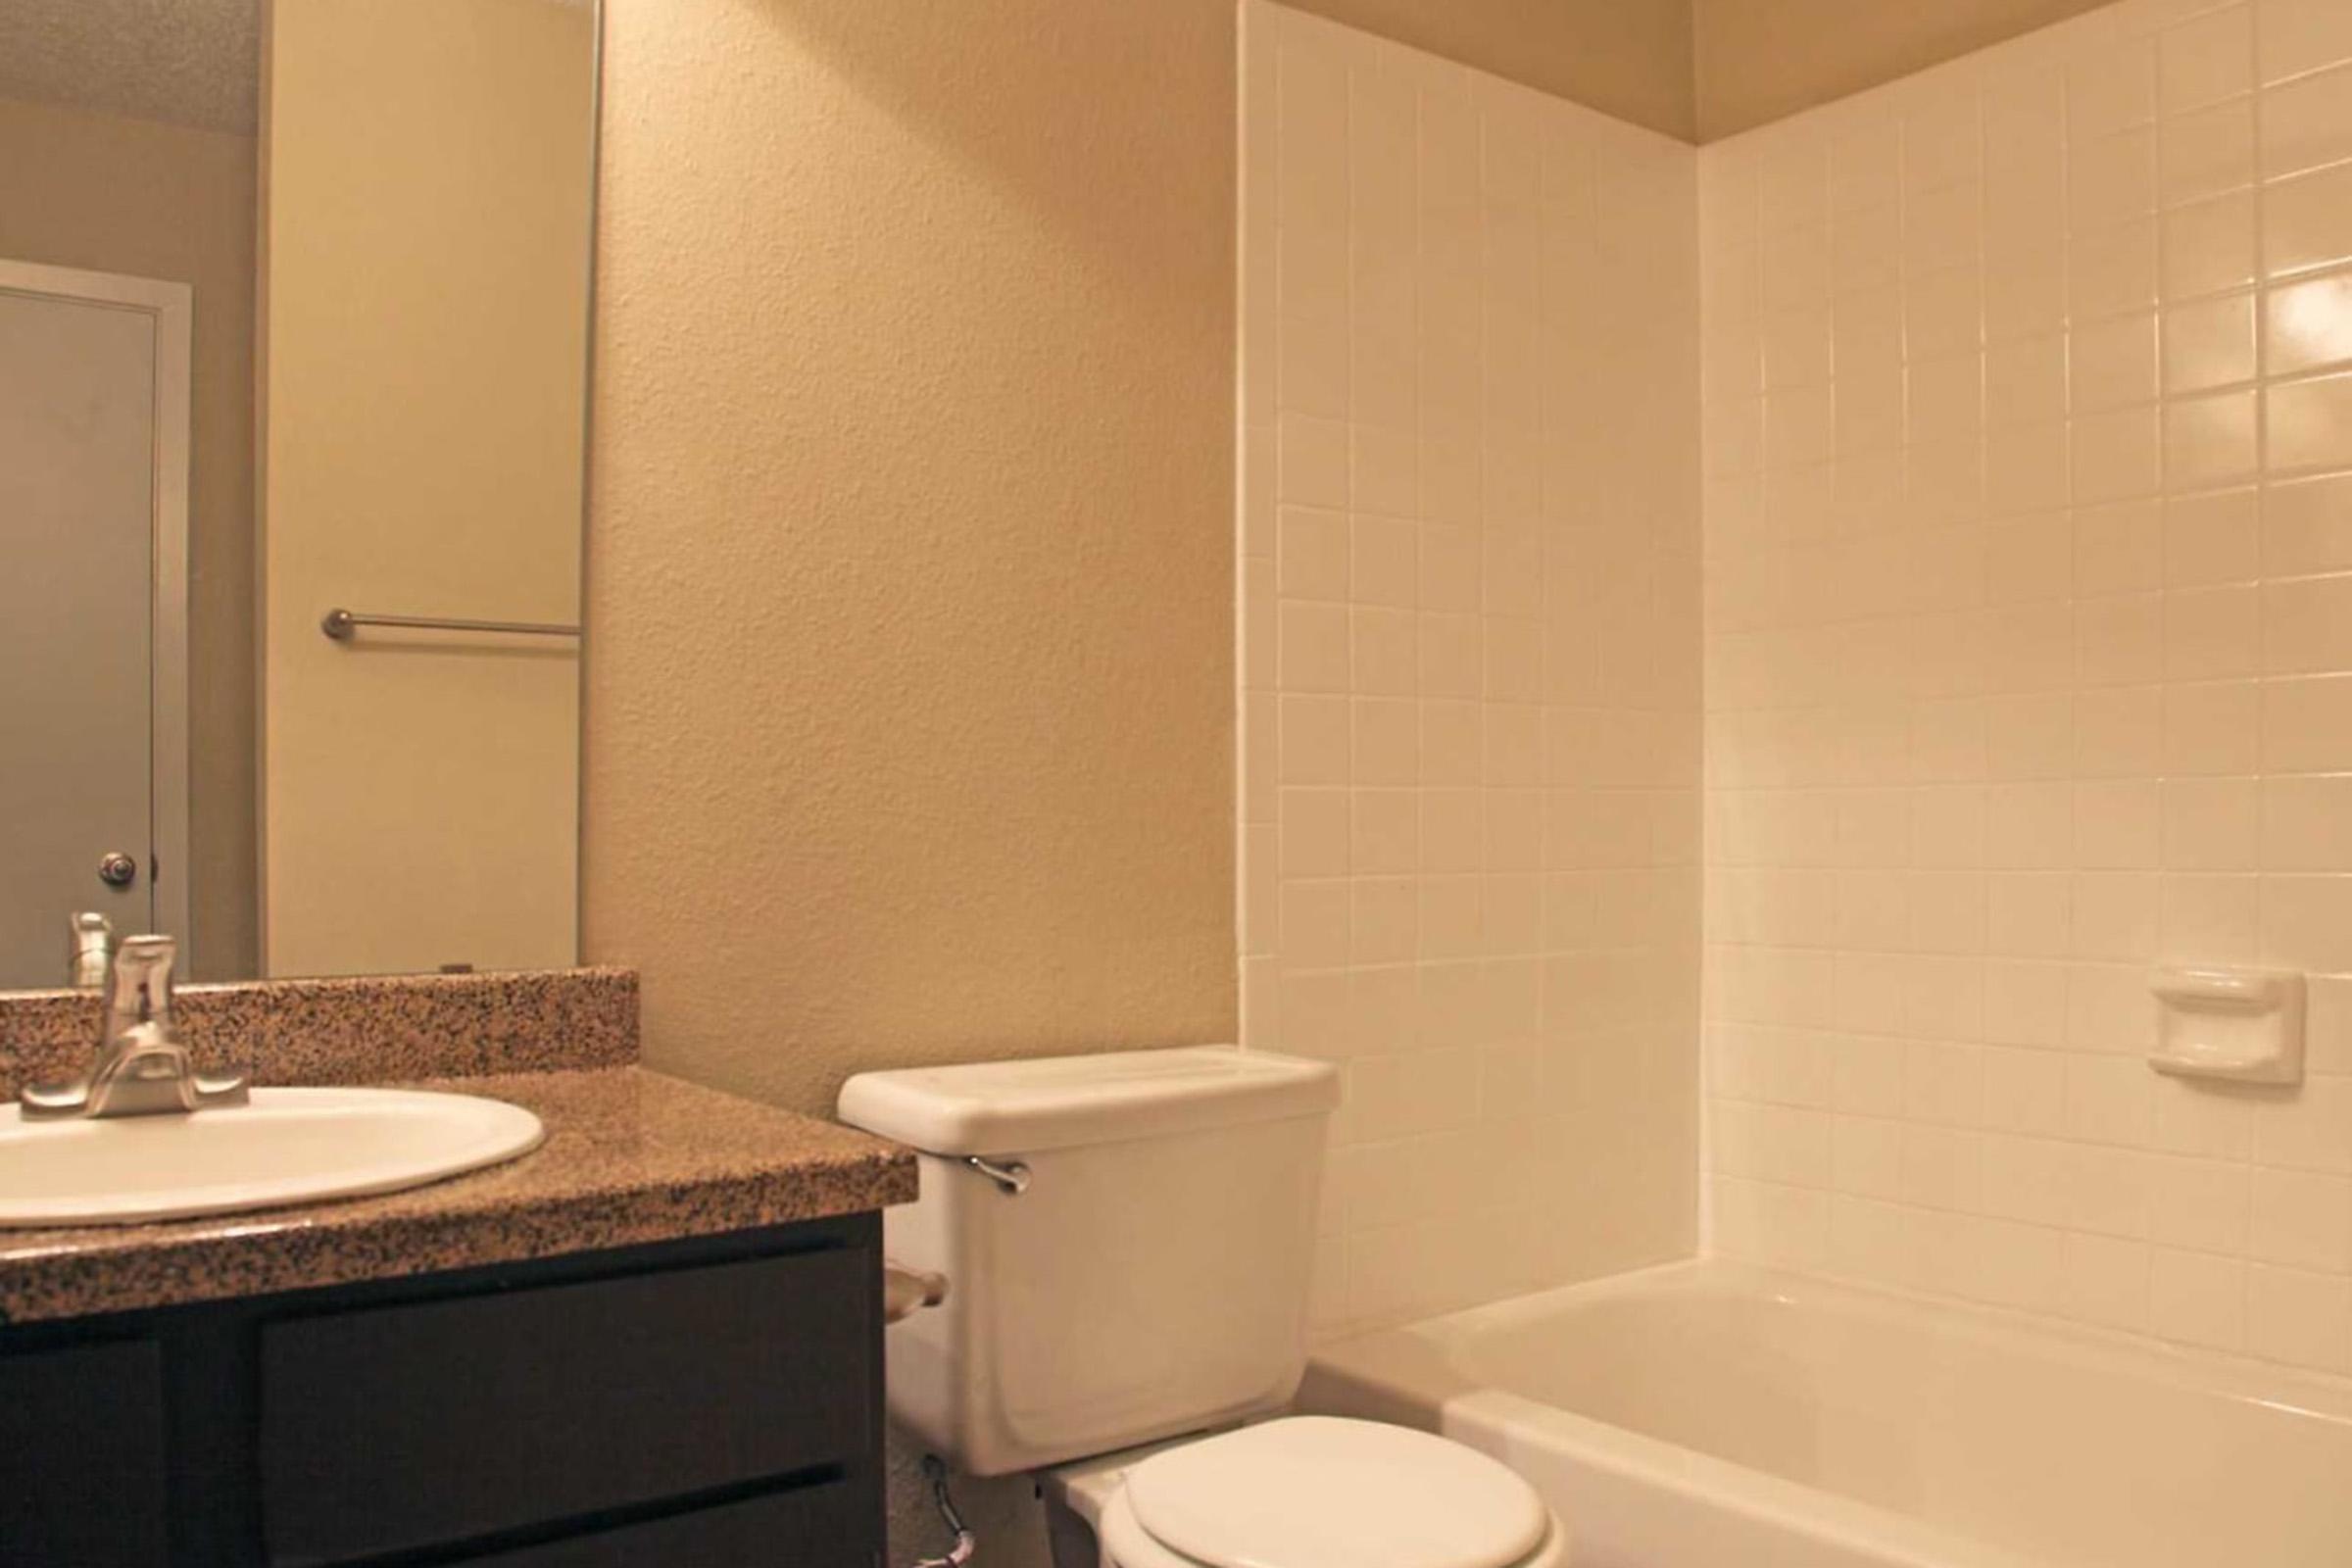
[362,227]
[93,608]
[137,163]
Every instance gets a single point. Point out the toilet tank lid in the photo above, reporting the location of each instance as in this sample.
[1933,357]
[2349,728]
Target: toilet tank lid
[1012,1108]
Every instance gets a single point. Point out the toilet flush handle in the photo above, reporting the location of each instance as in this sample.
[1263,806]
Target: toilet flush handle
[1010,1176]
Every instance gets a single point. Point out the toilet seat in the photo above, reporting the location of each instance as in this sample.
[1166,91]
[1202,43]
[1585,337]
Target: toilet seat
[1314,1492]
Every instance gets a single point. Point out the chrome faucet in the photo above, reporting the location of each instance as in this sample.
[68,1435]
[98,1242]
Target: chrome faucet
[141,1070]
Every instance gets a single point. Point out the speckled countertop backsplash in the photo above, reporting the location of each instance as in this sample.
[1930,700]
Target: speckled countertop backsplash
[366,1029]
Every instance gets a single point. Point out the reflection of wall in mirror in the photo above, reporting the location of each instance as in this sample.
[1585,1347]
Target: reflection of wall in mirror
[427,191]
[155,197]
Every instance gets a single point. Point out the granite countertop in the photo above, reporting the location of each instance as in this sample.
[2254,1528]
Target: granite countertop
[631,1156]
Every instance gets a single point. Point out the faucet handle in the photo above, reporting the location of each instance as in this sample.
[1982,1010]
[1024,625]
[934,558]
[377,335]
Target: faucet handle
[139,991]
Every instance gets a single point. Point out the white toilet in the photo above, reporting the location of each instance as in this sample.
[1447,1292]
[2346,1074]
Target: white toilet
[1126,1240]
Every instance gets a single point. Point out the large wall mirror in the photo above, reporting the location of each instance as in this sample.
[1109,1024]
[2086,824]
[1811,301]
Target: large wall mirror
[293,342]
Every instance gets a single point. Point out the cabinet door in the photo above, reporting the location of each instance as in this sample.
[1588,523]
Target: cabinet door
[81,1457]
[435,1424]
[816,1527]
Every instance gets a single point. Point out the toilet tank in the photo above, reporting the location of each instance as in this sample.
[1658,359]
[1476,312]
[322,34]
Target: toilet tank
[1148,1278]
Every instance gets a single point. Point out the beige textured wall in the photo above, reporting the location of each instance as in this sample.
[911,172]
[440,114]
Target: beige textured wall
[1758,60]
[1627,58]
[910,699]
[428,194]
[153,200]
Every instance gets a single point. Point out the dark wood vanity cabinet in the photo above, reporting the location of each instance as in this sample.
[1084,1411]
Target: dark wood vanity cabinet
[83,1455]
[701,1403]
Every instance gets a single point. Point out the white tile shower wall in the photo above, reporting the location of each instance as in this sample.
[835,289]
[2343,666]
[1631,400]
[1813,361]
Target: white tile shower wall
[1469,663]
[2027,392]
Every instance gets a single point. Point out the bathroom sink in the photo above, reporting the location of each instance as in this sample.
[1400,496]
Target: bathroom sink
[288,1145]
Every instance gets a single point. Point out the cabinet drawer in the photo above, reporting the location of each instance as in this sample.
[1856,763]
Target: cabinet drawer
[815,1527]
[81,1457]
[409,1426]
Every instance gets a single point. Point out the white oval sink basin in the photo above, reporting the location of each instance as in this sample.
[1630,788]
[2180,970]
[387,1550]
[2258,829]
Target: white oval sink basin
[289,1145]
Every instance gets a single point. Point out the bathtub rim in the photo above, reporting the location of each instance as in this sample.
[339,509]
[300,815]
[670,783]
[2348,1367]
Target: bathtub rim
[1389,1374]
[2226,1374]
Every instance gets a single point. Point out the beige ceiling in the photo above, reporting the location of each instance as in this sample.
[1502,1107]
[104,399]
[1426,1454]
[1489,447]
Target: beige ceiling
[1758,60]
[189,62]
[1693,68]
[1627,58]
[1699,68]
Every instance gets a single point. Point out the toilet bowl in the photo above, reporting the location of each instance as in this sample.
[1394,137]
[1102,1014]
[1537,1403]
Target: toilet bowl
[1302,1491]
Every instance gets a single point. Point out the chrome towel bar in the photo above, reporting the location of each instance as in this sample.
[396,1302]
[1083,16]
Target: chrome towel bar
[340,623]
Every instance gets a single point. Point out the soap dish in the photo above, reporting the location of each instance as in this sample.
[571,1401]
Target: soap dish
[2245,1025]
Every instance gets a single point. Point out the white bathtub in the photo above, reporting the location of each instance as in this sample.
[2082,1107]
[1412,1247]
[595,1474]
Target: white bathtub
[1711,1415]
